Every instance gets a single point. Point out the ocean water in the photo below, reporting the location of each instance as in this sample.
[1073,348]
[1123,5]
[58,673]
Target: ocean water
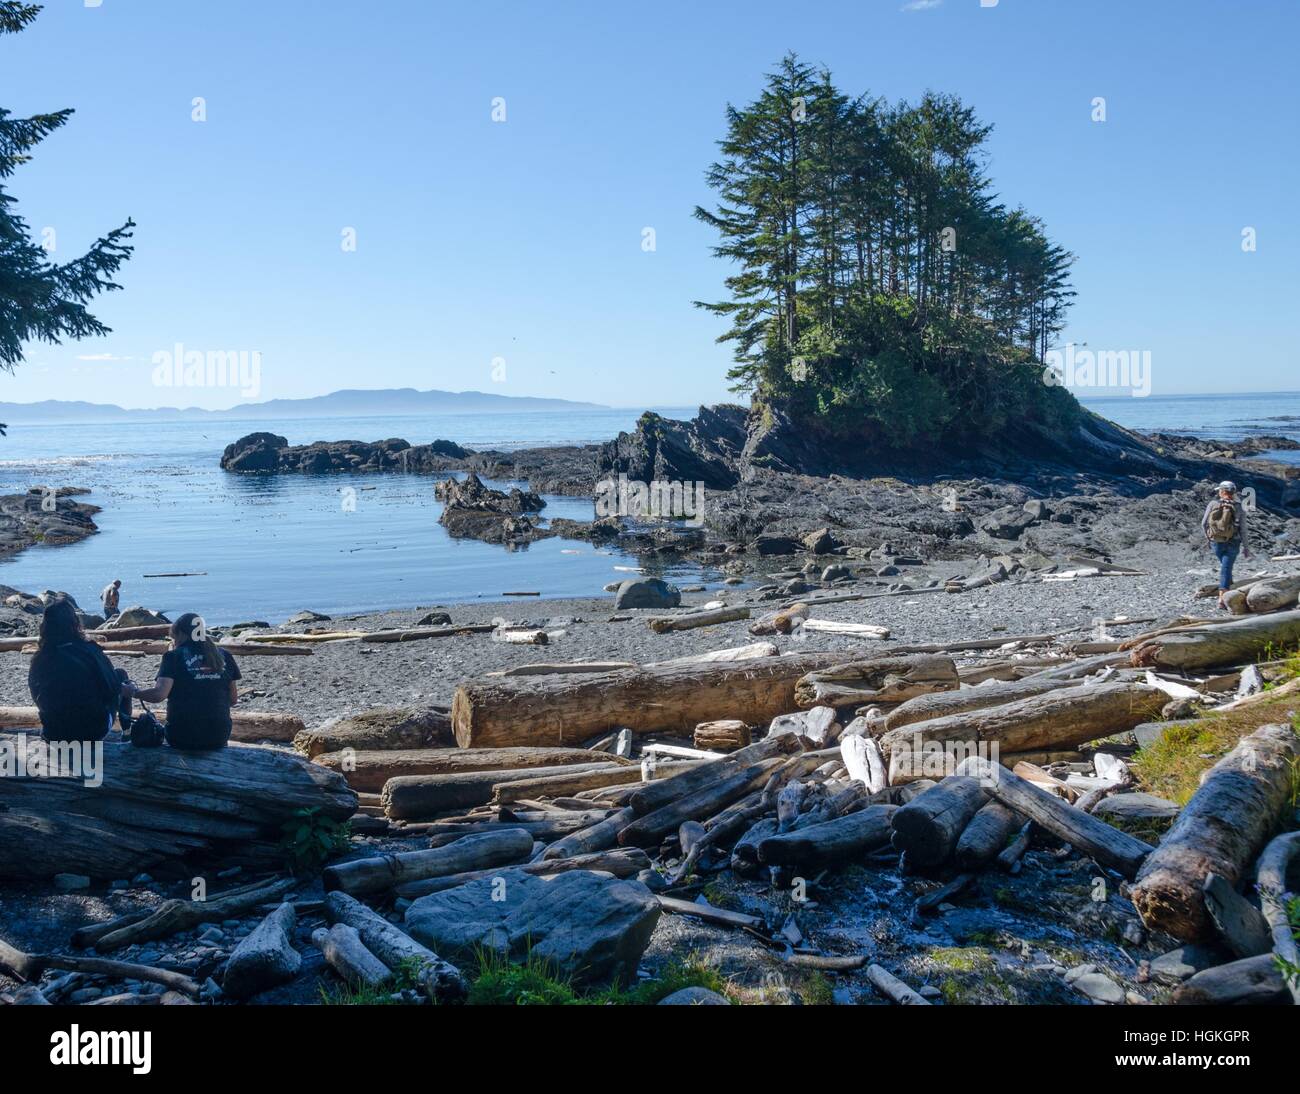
[268,546]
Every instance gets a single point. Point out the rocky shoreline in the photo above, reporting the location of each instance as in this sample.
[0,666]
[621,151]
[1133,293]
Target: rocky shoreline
[44,515]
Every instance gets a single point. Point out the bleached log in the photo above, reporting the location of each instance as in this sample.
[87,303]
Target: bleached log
[265,957]
[599,837]
[1221,829]
[473,852]
[368,770]
[1273,593]
[1231,643]
[986,837]
[731,783]
[879,680]
[417,634]
[557,710]
[852,630]
[731,653]
[1109,846]
[722,735]
[347,955]
[893,988]
[938,704]
[412,797]
[386,728]
[836,842]
[865,762]
[442,981]
[173,916]
[655,795]
[664,624]
[554,786]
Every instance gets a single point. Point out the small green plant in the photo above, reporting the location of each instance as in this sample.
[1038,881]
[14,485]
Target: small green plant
[535,981]
[310,839]
[1290,970]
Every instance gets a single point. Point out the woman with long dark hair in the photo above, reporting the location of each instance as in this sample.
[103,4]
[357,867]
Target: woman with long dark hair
[73,683]
[197,678]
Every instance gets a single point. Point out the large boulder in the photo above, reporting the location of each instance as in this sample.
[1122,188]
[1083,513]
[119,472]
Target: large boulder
[136,616]
[254,452]
[587,926]
[647,592]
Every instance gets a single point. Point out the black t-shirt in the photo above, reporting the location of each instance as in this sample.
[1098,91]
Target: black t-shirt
[76,690]
[198,706]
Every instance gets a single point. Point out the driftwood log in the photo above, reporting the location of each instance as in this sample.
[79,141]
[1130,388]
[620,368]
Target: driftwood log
[1221,830]
[384,728]
[1060,718]
[173,916]
[723,735]
[599,837]
[877,680]
[442,981]
[157,806]
[624,862]
[347,955]
[246,725]
[655,795]
[1277,866]
[560,710]
[928,827]
[987,836]
[413,797]
[1231,643]
[1109,846]
[369,770]
[835,843]
[473,852]
[731,782]
[938,704]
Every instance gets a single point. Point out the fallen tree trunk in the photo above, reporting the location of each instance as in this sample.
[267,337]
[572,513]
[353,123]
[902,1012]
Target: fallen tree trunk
[558,710]
[472,852]
[1275,867]
[879,680]
[940,704]
[28,966]
[1221,830]
[731,653]
[663,624]
[417,634]
[599,837]
[625,862]
[559,786]
[1109,846]
[732,784]
[1273,593]
[347,955]
[1245,639]
[383,729]
[442,981]
[413,797]
[655,795]
[246,725]
[173,916]
[369,770]
[987,836]
[543,827]
[1057,719]
[927,828]
[155,807]
[893,988]
[833,843]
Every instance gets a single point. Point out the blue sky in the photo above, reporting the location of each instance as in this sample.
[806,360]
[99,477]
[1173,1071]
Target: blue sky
[522,240]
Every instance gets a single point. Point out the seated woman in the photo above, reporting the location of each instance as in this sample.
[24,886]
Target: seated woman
[74,684]
[197,678]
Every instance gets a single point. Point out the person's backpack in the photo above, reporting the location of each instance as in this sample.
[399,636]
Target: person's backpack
[146,731]
[1222,524]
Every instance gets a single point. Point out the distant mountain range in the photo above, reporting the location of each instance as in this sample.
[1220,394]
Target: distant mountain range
[386,402]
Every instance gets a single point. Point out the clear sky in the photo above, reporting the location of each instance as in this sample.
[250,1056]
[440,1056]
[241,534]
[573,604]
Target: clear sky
[522,240]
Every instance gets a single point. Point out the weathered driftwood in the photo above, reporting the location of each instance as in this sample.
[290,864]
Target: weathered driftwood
[625,862]
[893,988]
[246,725]
[721,916]
[265,957]
[1221,830]
[722,735]
[558,710]
[472,852]
[412,797]
[987,836]
[370,770]
[662,624]
[938,704]
[1273,593]
[655,795]
[865,762]
[1229,643]
[836,842]
[1016,849]
[29,966]
[1063,717]
[347,955]
[852,630]
[731,653]
[928,827]
[174,916]
[1238,922]
[442,981]
[387,728]
[546,669]
[598,837]
[156,807]
[733,782]
[781,621]
[1252,981]
[416,634]
[878,680]
[1109,846]
[542,827]
[554,786]
[1276,865]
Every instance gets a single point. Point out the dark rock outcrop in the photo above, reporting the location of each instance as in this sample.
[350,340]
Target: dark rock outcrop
[44,516]
[472,510]
[706,449]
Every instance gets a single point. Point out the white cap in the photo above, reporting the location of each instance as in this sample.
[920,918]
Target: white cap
[1228,485]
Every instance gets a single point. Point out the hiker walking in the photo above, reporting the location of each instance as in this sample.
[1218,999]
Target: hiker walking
[109,598]
[1224,525]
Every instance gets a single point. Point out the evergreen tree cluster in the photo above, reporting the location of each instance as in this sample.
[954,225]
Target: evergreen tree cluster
[882,290]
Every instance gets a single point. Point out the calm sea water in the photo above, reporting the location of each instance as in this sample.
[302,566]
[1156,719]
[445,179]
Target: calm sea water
[272,545]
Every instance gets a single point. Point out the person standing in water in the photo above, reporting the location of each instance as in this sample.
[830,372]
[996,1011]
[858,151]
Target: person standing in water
[109,598]
[1224,525]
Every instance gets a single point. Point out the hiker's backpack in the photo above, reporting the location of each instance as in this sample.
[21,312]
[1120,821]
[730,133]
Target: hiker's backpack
[1223,523]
